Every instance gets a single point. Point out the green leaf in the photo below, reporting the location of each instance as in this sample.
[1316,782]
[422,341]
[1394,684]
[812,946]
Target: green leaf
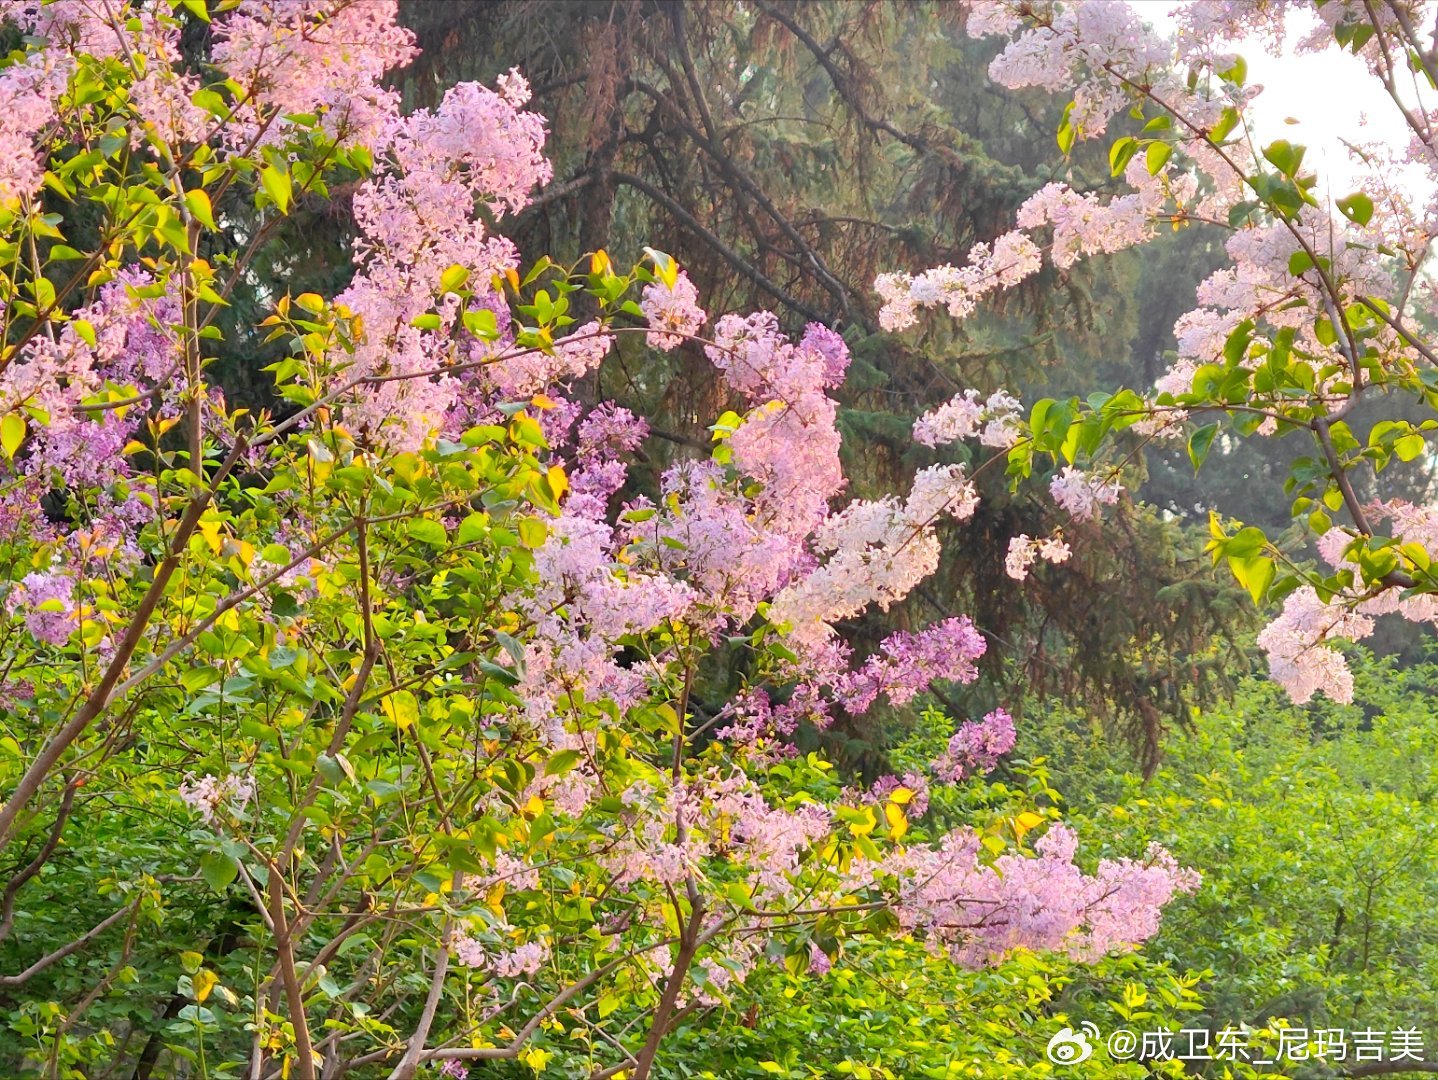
[198,202]
[1066,137]
[1357,208]
[1227,121]
[453,279]
[1240,212]
[664,265]
[12,433]
[1157,156]
[278,186]
[472,528]
[481,323]
[1409,446]
[1247,542]
[532,532]
[561,763]
[1199,444]
[1235,349]
[218,870]
[1120,153]
[495,671]
[1254,572]
[330,769]
[1286,157]
[428,531]
[402,708]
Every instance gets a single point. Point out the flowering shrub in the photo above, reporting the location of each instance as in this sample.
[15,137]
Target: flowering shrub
[390,692]
[1323,308]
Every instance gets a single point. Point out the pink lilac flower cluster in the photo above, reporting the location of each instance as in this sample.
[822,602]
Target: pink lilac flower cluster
[209,794]
[305,57]
[735,541]
[756,722]
[980,913]
[774,840]
[877,553]
[611,429]
[126,341]
[719,976]
[525,959]
[514,874]
[976,747]
[1009,260]
[47,602]
[585,603]
[1081,493]
[788,441]
[673,312]
[1298,658]
[995,421]
[160,97]
[599,471]
[27,101]
[716,537]
[1299,642]
[1024,551]
[478,147]
[1082,47]
[131,345]
[819,962]
[907,663]
[1083,225]
[531,372]
[759,361]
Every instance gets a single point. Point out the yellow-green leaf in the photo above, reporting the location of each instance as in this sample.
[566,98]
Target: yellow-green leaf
[198,202]
[532,532]
[1254,572]
[203,982]
[402,708]
[453,279]
[277,185]
[12,433]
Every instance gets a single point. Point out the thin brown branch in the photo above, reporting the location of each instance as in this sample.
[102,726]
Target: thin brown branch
[59,954]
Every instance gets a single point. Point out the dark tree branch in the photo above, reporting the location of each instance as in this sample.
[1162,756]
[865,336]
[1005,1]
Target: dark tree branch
[59,954]
[728,254]
[7,907]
